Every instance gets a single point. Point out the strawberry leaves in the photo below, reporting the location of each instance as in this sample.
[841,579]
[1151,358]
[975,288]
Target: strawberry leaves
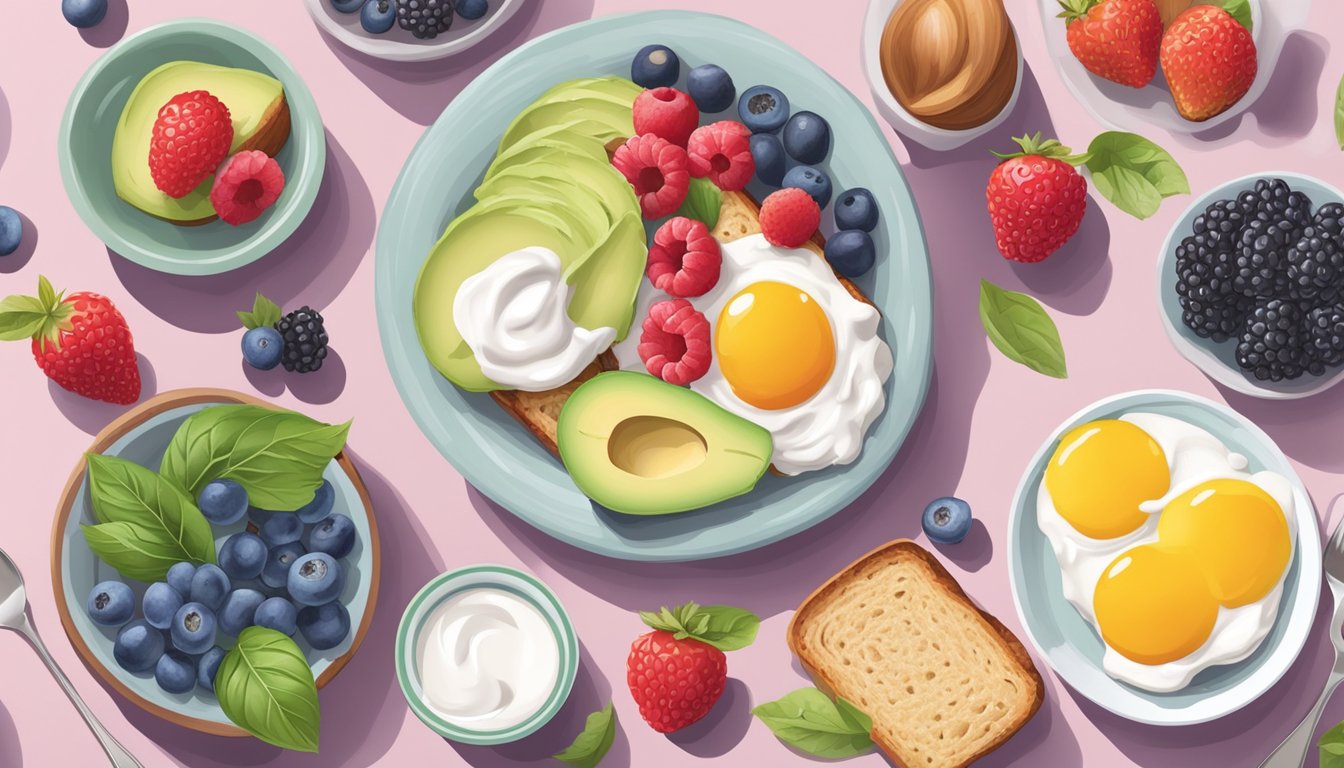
[1339,114]
[264,313]
[722,626]
[1238,9]
[44,316]
[1033,145]
[1072,10]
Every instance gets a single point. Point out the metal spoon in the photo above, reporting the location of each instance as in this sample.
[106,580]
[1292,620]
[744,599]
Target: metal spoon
[14,615]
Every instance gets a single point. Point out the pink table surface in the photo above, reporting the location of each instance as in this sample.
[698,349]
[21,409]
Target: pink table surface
[983,418]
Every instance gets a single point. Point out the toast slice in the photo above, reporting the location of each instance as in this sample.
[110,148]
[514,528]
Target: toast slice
[539,412]
[944,682]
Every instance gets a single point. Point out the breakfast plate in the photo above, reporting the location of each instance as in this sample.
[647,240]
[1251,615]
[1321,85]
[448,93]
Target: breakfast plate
[400,45]
[1069,643]
[141,436]
[499,457]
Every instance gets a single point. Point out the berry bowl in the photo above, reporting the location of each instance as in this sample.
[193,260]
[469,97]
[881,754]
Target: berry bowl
[90,122]
[397,44]
[1217,360]
[141,436]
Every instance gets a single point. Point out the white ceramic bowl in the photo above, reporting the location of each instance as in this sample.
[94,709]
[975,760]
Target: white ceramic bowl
[933,137]
[399,45]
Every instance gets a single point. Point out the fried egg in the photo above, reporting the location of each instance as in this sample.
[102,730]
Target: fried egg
[793,352]
[1167,545]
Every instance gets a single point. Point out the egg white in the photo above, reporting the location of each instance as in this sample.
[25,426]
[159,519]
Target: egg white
[1193,456]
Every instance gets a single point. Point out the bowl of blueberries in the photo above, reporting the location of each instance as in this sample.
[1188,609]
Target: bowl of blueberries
[411,30]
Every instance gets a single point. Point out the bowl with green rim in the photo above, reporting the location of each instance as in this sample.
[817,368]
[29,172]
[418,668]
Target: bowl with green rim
[84,150]
[484,577]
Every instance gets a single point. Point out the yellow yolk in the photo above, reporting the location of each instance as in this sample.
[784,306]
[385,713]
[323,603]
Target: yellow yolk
[1234,532]
[1153,605]
[1101,472]
[774,345]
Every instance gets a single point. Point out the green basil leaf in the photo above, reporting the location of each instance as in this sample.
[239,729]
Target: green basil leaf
[1134,173]
[1332,747]
[277,456]
[808,720]
[593,743]
[1240,10]
[135,552]
[703,201]
[1339,114]
[155,516]
[266,688]
[1022,331]
[264,313]
[722,626]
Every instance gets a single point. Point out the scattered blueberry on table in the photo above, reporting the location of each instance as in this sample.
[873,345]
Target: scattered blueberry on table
[947,520]
[84,13]
[11,230]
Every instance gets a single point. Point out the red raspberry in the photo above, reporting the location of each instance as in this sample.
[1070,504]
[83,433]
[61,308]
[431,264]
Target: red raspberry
[722,151]
[666,113]
[684,260]
[674,682]
[789,217]
[656,168]
[192,136]
[675,343]
[247,184]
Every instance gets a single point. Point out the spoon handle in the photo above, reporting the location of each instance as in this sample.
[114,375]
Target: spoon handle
[115,752]
[1292,753]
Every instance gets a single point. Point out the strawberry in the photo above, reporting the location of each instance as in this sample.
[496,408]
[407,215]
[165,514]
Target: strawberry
[678,671]
[1036,199]
[192,136]
[1115,39]
[1209,60]
[80,341]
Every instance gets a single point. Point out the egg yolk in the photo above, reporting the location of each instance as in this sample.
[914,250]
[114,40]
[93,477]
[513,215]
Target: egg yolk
[774,345]
[1233,531]
[1101,472]
[1154,605]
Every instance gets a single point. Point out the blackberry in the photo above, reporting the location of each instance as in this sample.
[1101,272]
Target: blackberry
[1329,221]
[1262,257]
[1316,265]
[305,340]
[1326,328]
[1204,275]
[1275,343]
[425,18]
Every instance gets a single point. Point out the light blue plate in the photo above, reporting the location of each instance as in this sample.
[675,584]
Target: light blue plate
[502,459]
[80,569]
[1069,644]
[1218,360]
[85,151]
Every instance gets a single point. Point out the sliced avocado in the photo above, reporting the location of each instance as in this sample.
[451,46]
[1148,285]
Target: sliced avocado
[606,283]
[256,105]
[587,177]
[539,146]
[638,445]
[605,102]
[572,226]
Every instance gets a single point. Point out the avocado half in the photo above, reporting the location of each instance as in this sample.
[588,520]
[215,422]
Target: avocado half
[638,445]
[258,109]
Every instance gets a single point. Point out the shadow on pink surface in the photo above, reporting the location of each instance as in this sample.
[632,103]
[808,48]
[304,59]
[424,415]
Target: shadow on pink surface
[317,387]
[92,415]
[20,258]
[111,28]
[11,750]
[1301,428]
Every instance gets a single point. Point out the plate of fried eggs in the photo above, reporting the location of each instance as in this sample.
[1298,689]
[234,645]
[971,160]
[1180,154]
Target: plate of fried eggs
[1164,557]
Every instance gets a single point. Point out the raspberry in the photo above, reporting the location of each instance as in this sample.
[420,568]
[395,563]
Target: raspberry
[192,136]
[675,343]
[666,113]
[789,217]
[656,168]
[684,260]
[722,151]
[247,184]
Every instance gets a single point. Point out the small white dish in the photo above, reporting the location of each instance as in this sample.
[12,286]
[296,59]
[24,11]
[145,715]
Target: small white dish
[398,44]
[1136,109]
[931,136]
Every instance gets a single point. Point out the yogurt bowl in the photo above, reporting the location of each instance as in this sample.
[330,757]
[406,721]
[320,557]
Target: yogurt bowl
[486,654]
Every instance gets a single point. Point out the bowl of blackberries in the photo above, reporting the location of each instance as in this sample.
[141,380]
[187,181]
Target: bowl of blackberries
[411,30]
[1252,285]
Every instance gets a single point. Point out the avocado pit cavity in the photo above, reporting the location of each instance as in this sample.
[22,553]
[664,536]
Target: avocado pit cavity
[653,447]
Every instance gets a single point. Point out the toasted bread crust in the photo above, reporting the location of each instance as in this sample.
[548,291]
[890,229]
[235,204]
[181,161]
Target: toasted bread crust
[891,552]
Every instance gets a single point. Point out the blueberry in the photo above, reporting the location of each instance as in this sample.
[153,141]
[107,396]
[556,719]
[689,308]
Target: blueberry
[851,253]
[315,579]
[335,536]
[947,520]
[275,574]
[179,578]
[111,603]
[263,346]
[238,611]
[320,507]
[242,556]
[655,66]
[223,502]
[377,16]
[207,666]
[193,629]
[813,181]
[279,614]
[209,586]
[768,153]
[807,137]
[856,209]
[138,646]
[281,529]
[763,109]
[347,6]
[711,88]
[260,516]
[175,672]
[84,13]
[324,626]
[160,603]
[11,230]
[471,10]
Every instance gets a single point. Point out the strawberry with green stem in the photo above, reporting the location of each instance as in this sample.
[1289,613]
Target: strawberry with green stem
[1209,58]
[1036,199]
[1115,39]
